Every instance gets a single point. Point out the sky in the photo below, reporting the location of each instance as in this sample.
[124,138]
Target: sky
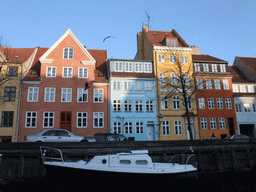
[220,28]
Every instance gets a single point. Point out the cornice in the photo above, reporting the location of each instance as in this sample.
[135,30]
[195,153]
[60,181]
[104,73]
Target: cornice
[173,49]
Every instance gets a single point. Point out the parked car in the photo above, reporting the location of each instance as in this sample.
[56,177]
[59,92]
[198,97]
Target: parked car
[108,137]
[56,135]
[238,137]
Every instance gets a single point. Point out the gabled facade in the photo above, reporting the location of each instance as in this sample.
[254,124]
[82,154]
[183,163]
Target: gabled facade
[132,99]
[245,102]
[13,64]
[215,97]
[172,58]
[66,88]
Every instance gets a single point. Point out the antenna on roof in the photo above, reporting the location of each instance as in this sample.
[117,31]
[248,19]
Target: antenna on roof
[147,17]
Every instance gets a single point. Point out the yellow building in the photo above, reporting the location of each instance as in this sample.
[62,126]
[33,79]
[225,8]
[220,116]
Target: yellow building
[173,67]
[13,65]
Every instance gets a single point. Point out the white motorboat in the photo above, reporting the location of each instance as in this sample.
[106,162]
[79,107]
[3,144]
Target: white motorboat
[135,163]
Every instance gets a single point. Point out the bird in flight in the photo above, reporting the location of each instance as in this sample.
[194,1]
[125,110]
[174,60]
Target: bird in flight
[107,38]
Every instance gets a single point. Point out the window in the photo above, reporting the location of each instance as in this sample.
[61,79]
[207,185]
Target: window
[210,103]
[203,123]
[206,67]
[31,119]
[176,102]
[189,102]
[127,85]
[66,94]
[82,95]
[148,86]
[219,103]
[81,120]
[116,85]
[184,59]
[228,103]
[201,103]
[33,94]
[82,72]
[173,59]
[7,119]
[68,53]
[9,93]
[119,66]
[117,127]
[213,123]
[238,107]
[51,71]
[164,102]
[148,67]
[138,86]
[247,107]
[139,127]
[161,58]
[208,84]
[141,162]
[149,106]
[127,105]
[199,84]
[49,94]
[116,105]
[197,67]
[226,84]
[162,78]
[138,106]
[222,123]
[128,67]
[178,127]
[128,127]
[125,162]
[165,127]
[223,68]
[186,79]
[217,84]
[12,71]
[98,119]
[174,79]
[138,67]
[254,107]
[214,68]
[67,72]
[48,120]
[98,95]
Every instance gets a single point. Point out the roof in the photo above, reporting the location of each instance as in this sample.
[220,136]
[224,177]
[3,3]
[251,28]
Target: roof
[238,76]
[18,55]
[206,58]
[132,74]
[249,61]
[157,37]
[100,57]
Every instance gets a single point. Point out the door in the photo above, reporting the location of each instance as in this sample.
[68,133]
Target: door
[64,136]
[50,136]
[231,126]
[65,120]
[150,132]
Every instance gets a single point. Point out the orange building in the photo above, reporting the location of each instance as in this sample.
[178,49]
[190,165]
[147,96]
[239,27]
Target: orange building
[215,97]
[66,88]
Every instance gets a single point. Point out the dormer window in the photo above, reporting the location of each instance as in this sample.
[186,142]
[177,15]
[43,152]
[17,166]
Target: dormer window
[171,42]
[68,53]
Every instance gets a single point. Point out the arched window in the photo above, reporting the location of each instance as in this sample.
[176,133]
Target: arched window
[68,53]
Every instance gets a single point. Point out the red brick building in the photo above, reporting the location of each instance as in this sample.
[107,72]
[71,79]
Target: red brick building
[66,88]
[215,97]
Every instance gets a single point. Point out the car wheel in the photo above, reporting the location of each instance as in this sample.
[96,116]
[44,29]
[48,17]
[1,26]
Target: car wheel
[39,141]
[84,141]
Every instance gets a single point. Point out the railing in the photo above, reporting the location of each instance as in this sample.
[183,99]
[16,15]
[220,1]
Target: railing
[43,151]
[182,157]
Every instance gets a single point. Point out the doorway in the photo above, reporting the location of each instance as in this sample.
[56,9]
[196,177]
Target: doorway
[150,132]
[246,129]
[231,126]
[65,120]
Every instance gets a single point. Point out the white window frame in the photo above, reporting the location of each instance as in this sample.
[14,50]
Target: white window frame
[178,127]
[33,93]
[119,66]
[148,67]
[197,67]
[51,71]
[29,119]
[139,127]
[226,84]
[149,106]
[174,79]
[222,123]
[211,103]
[217,84]
[208,83]
[138,106]
[98,116]
[127,85]
[49,94]
[68,73]
[203,121]
[84,72]
[176,102]
[223,68]
[138,67]
[69,55]
[98,95]
[247,107]
[128,67]
[205,67]
[173,59]
[213,123]
[116,105]
[162,79]
[81,95]
[164,102]
[161,58]
[138,86]
[116,85]
[148,86]
[117,127]
[65,94]
[238,107]
[165,127]
[219,103]
[201,103]
[47,118]
[128,127]
[214,68]
[83,115]
[199,84]
[228,103]
[184,59]
[127,105]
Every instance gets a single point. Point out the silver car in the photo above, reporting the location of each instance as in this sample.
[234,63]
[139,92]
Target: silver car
[56,135]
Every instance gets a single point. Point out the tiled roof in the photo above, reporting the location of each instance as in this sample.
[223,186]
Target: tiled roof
[238,76]
[131,74]
[249,61]
[157,37]
[18,55]
[206,58]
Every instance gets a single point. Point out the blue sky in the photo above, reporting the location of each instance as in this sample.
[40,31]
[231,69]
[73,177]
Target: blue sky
[220,28]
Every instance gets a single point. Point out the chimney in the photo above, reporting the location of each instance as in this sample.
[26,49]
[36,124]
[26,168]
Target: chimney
[145,27]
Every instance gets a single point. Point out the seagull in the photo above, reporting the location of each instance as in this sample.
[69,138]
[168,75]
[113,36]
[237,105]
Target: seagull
[107,38]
